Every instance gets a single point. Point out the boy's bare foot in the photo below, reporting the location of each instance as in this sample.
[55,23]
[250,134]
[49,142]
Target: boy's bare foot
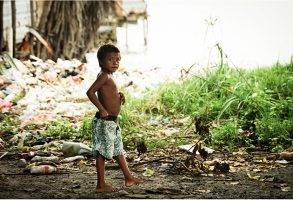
[106,188]
[133,180]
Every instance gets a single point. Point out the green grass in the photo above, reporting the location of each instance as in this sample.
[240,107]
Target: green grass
[258,102]
[61,129]
[8,123]
[240,108]
[85,130]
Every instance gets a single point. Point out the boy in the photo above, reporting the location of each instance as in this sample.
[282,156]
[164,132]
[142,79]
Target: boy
[107,140]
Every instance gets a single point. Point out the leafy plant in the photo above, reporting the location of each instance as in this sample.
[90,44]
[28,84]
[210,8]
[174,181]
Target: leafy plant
[245,107]
[61,129]
[227,135]
[85,129]
[259,100]
[7,122]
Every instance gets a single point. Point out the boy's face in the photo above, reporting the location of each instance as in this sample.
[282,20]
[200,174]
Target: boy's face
[111,62]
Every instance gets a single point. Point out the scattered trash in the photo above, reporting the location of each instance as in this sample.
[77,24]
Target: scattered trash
[234,183]
[71,159]
[42,159]
[43,169]
[170,131]
[27,156]
[282,161]
[253,177]
[39,118]
[37,147]
[203,191]
[75,186]
[211,162]
[190,147]
[46,89]
[5,106]
[181,122]
[285,188]
[286,156]
[3,155]
[148,172]
[19,139]
[70,149]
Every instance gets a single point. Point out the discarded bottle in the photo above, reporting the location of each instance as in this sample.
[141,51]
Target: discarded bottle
[43,159]
[71,159]
[43,169]
[27,156]
[75,148]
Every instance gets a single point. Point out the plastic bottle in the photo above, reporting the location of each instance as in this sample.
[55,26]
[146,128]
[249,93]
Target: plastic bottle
[71,159]
[75,148]
[27,156]
[43,169]
[43,159]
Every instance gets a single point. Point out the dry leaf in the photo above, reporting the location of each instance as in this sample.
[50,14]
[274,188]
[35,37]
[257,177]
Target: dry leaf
[236,164]
[82,162]
[239,159]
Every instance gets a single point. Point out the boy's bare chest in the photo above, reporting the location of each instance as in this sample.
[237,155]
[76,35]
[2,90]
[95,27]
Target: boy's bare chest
[110,85]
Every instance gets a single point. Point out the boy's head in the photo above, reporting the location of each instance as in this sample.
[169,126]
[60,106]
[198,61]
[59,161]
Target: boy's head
[103,51]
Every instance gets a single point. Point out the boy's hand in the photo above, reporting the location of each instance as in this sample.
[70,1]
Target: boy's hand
[122,98]
[104,114]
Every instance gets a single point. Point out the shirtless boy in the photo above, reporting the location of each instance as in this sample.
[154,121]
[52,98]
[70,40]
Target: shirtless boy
[107,139]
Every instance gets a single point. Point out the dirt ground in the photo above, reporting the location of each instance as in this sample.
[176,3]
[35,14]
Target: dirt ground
[249,177]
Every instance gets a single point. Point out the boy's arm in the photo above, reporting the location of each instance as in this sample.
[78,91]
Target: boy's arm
[91,93]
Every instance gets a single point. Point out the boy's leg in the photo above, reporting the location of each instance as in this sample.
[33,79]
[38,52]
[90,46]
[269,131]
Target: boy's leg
[130,180]
[101,185]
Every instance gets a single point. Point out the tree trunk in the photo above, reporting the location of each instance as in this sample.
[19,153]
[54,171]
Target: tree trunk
[71,27]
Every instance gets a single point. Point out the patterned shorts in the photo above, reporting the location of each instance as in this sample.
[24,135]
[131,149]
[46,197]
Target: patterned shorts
[107,139]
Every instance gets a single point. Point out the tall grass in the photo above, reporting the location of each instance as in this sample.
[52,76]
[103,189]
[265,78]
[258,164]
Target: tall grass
[239,108]
[248,107]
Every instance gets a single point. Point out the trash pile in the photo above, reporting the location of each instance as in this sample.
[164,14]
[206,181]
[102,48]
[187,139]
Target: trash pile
[47,89]
[41,162]
[35,92]
[32,93]
[43,89]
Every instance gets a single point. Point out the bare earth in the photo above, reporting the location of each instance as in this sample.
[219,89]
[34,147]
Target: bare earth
[266,179]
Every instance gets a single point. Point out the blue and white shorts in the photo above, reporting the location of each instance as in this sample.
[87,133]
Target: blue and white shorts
[107,138]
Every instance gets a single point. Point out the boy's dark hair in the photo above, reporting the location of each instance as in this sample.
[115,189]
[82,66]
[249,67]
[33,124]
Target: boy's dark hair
[104,50]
